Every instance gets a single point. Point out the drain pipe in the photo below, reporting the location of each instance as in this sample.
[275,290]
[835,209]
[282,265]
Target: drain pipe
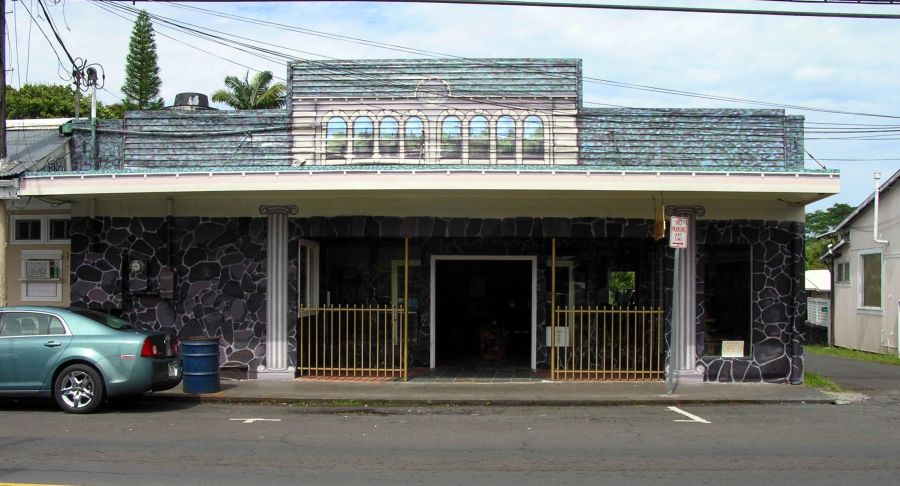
[875,226]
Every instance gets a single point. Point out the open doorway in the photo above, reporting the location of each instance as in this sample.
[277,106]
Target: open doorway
[483,313]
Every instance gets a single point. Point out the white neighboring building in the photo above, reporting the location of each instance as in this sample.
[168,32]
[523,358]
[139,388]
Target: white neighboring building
[818,297]
[866,271]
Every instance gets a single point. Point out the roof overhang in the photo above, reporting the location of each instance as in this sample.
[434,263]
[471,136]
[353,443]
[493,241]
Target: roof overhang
[797,187]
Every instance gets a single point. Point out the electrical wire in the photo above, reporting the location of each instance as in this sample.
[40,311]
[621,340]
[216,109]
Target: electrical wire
[52,46]
[194,29]
[590,79]
[270,53]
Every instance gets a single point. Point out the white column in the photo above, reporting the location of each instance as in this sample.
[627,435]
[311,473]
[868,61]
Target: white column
[276,362]
[684,347]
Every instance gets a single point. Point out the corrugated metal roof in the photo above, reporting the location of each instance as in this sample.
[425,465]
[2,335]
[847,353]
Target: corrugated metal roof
[464,77]
[30,148]
[690,137]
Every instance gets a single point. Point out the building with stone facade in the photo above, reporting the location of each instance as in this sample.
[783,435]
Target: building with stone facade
[410,215]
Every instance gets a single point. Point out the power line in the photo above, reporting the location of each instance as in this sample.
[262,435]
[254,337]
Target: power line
[646,8]
[590,79]
[274,56]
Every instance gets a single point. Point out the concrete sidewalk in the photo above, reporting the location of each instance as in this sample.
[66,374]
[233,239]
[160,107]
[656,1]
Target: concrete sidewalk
[532,393]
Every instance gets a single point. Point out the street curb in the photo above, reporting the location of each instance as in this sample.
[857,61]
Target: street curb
[377,403]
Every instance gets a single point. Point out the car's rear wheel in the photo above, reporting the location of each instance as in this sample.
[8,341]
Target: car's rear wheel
[78,389]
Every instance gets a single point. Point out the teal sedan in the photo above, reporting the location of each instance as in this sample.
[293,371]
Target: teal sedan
[80,357]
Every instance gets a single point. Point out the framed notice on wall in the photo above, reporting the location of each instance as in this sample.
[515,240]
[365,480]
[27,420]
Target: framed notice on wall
[42,275]
[38,269]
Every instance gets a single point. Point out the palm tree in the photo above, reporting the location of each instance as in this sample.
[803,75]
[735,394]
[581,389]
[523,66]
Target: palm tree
[251,94]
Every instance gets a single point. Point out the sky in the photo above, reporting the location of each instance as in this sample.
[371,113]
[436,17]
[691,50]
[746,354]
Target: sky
[848,65]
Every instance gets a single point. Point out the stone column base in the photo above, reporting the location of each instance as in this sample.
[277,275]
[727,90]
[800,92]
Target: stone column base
[264,374]
[689,377]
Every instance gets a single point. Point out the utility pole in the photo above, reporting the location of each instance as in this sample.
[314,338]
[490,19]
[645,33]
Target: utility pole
[3,80]
[4,219]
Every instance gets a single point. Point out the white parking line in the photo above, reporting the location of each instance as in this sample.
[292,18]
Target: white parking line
[251,420]
[692,417]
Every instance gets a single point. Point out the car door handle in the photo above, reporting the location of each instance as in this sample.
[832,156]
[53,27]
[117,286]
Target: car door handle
[52,344]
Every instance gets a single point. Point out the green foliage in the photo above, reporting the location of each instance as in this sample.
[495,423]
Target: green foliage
[251,94]
[142,83]
[621,288]
[814,250]
[820,222]
[825,220]
[42,101]
[814,380]
[852,354]
[32,101]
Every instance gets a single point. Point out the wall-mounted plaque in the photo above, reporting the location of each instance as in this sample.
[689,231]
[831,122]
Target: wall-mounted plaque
[732,349]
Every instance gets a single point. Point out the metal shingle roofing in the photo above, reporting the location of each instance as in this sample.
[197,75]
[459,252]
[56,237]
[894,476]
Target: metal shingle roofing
[464,77]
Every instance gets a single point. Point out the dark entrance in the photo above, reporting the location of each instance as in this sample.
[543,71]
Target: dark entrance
[483,313]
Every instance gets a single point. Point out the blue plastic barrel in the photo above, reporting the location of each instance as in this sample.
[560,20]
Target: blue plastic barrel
[200,362]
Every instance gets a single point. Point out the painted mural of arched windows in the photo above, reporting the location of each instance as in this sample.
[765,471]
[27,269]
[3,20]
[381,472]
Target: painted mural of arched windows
[414,138]
[363,137]
[389,137]
[533,138]
[479,138]
[335,138]
[451,138]
[506,138]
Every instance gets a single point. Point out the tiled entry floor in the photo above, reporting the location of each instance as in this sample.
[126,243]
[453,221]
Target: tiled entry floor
[481,374]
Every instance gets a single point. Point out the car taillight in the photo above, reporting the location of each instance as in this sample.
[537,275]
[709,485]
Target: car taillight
[149,350]
[174,345]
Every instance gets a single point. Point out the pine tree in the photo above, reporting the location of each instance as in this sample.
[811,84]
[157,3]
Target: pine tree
[141,88]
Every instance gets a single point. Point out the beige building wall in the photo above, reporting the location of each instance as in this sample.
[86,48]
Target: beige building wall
[873,330]
[15,277]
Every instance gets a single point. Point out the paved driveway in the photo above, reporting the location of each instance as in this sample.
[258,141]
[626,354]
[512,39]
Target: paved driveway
[879,381]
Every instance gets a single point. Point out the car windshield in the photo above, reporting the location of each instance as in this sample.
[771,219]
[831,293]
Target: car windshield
[101,318]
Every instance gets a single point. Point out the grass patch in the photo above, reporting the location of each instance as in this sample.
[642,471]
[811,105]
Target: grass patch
[817,381]
[853,354]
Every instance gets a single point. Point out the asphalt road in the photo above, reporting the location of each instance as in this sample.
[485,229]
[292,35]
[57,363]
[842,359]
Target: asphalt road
[152,442]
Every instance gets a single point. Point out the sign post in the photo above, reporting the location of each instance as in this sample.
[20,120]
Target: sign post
[678,238]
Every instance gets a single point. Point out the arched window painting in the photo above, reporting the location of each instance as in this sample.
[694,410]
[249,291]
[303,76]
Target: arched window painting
[451,138]
[388,133]
[533,138]
[506,138]
[335,138]
[414,138]
[363,137]
[479,141]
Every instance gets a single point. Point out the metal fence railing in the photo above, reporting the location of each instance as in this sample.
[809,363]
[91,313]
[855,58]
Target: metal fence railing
[607,343]
[351,341]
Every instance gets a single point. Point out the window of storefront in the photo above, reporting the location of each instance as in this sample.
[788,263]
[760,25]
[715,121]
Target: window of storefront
[388,137]
[363,137]
[451,138]
[336,138]
[479,141]
[533,138]
[414,138]
[506,138]
[726,314]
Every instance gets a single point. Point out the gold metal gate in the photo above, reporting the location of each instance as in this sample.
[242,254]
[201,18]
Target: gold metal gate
[604,343]
[614,344]
[350,341]
[356,341]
